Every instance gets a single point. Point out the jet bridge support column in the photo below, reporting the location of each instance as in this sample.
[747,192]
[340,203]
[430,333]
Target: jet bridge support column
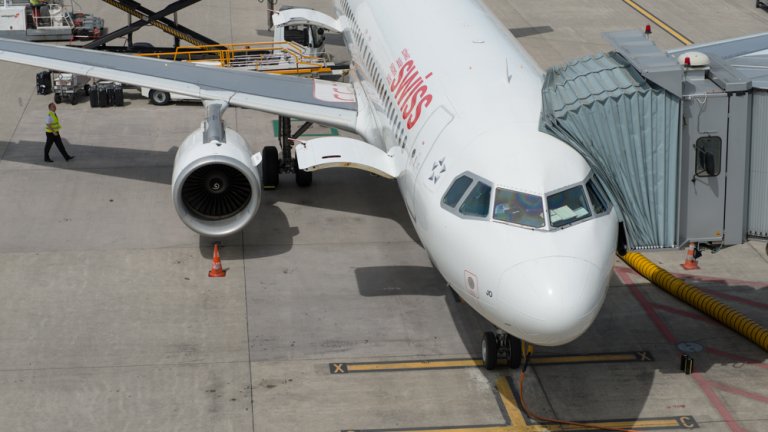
[737,164]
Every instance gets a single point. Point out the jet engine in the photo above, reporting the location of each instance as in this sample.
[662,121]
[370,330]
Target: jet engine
[216,183]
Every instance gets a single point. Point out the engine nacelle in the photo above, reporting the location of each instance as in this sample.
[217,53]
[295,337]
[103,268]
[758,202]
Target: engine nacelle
[216,183]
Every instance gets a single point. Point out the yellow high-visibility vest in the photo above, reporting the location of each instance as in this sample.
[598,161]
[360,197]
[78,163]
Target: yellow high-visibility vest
[55,126]
[35,2]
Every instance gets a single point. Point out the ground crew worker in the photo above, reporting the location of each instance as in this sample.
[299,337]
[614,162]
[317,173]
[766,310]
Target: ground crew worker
[52,127]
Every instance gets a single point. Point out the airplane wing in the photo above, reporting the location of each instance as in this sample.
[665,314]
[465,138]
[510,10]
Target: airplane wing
[328,103]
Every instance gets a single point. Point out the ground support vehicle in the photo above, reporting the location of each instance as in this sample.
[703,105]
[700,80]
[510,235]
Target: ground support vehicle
[69,87]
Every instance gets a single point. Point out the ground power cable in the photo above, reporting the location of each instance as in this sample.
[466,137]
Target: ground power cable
[531,414]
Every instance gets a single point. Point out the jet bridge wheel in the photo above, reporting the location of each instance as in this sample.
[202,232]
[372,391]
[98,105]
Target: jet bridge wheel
[490,350]
[270,167]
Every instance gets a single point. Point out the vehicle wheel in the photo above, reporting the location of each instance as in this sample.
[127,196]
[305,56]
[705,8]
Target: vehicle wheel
[158,97]
[514,351]
[490,350]
[57,98]
[270,167]
[303,178]
[73,99]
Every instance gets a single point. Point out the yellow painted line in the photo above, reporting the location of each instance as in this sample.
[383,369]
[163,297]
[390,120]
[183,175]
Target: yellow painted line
[427,364]
[658,22]
[342,368]
[629,424]
[596,358]
[510,403]
[467,429]
[520,423]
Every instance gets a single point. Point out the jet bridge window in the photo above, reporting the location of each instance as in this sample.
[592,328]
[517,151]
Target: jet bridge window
[568,206]
[708,156]
[456,191]
[518,208]
[477,201]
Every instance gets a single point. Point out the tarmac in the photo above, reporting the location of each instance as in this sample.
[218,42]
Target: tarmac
[331,317]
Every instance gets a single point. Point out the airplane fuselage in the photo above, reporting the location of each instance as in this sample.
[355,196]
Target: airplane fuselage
[461,98]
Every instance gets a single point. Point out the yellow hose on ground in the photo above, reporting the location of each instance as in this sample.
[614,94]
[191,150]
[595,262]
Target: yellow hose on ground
[728,316]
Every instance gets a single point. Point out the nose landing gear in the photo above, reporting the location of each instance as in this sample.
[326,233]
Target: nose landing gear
[504,345]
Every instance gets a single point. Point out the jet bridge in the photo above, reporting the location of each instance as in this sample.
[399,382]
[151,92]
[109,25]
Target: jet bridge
[679,138]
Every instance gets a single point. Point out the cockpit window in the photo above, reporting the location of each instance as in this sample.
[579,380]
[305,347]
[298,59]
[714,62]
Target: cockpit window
[568,206]
[597,197]
[456,191]
[518,208]
[477,202]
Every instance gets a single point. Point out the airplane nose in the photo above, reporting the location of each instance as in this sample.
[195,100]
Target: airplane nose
[554,299]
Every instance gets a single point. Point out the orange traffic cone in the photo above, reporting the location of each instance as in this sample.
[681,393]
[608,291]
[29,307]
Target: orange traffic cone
[216,270]
[690,258]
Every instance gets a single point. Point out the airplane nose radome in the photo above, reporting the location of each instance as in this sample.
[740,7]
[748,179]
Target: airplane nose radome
[555,299]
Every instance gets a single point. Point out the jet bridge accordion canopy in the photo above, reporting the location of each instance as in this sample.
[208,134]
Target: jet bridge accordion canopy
[627,129]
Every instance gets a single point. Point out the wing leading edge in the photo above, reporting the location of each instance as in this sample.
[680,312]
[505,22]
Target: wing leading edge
[328,103]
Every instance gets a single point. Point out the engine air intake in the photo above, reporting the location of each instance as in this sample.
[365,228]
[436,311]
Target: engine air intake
[216,191]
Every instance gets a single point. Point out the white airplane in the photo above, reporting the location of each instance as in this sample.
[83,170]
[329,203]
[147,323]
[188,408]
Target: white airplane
[447,102]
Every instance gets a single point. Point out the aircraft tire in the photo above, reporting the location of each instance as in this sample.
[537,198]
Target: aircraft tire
[57,98]
[514,351]
[270,166]
[94,98]
[489,350]
[303,178]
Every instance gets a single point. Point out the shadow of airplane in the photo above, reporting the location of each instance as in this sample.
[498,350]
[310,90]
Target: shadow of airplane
[343,190]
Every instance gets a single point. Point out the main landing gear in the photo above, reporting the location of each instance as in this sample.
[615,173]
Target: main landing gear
[504,345]
[272,165]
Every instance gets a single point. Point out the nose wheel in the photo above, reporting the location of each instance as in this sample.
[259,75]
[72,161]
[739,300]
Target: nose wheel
[501,345]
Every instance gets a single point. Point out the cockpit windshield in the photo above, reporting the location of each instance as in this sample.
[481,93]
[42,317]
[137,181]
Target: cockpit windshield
[568,206]
[469,196]
[518,208]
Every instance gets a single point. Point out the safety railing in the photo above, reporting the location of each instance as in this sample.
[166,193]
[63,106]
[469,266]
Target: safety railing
[276,57]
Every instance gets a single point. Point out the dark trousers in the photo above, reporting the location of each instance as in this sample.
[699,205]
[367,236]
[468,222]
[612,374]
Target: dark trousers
[51,138]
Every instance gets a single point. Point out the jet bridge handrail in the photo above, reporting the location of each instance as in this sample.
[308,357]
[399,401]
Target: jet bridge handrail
[261,56]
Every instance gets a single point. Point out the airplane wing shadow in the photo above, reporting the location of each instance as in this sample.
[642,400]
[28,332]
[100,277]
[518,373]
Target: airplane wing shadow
[341,190]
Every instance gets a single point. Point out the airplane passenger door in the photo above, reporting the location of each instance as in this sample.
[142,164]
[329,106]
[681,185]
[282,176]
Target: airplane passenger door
[422,144]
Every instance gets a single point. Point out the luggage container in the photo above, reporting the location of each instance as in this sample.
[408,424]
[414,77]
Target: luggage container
[43,83]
